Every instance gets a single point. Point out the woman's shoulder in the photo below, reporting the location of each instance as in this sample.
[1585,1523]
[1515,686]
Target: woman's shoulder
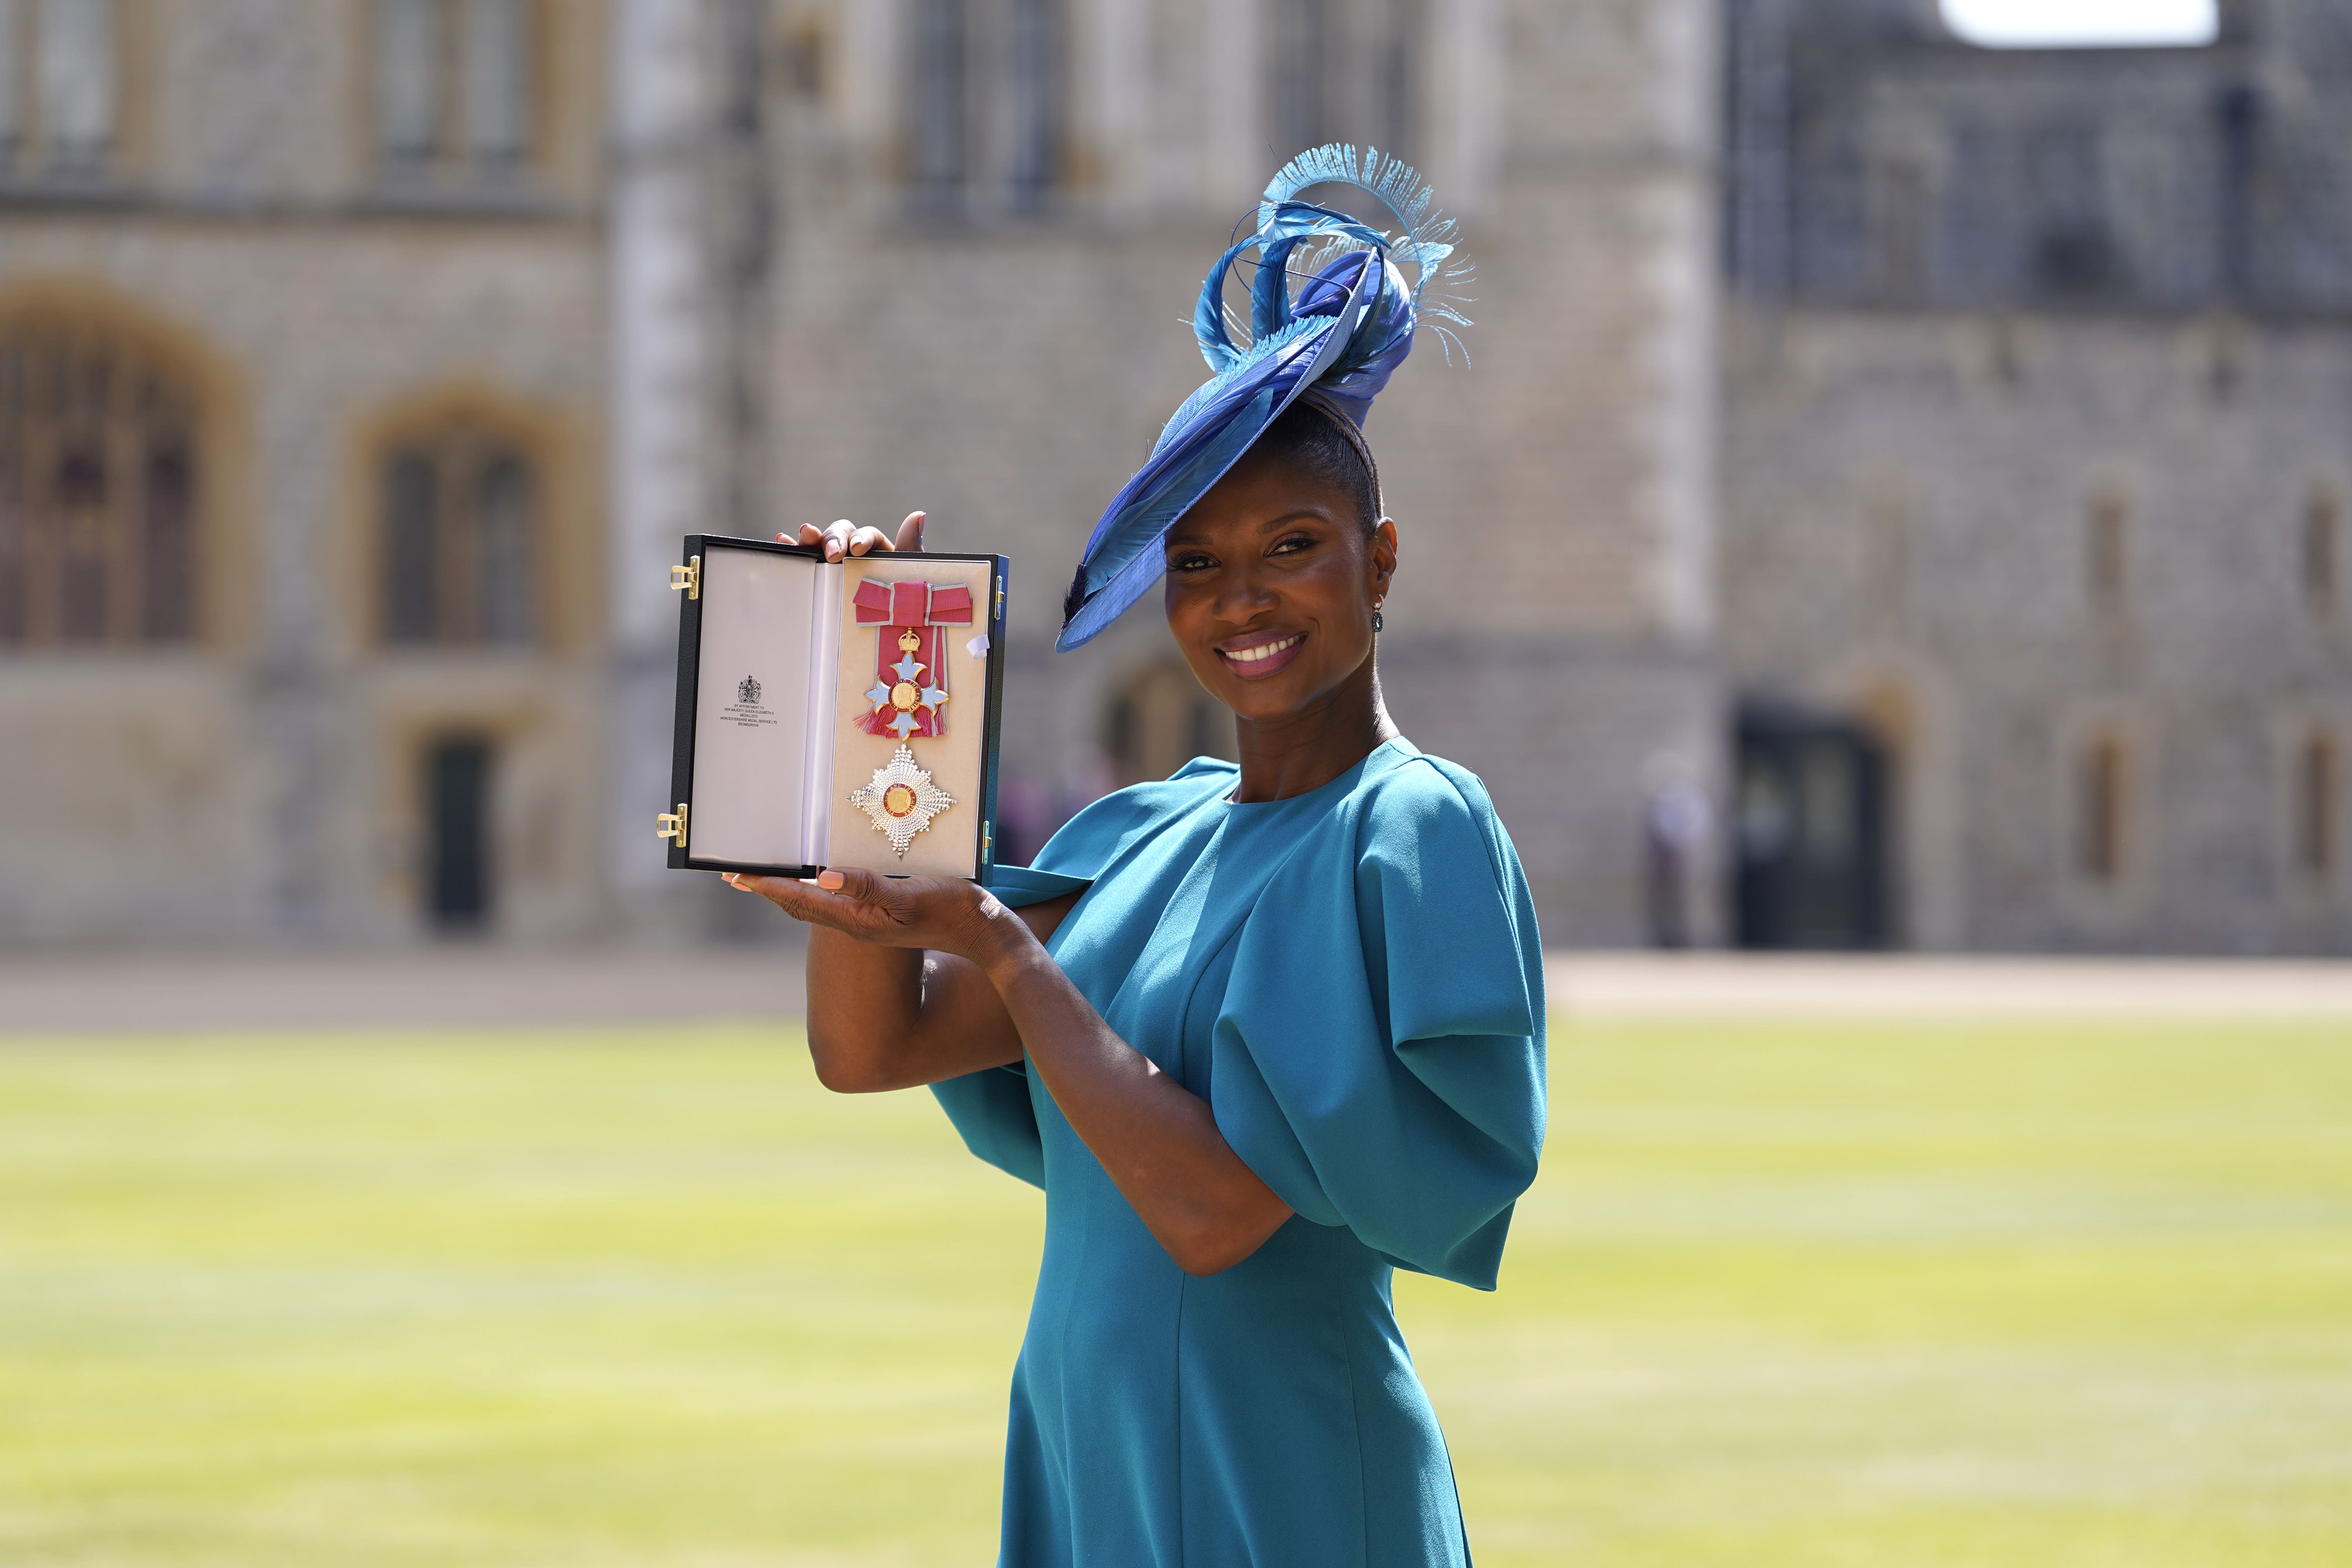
[1202,780]
[1427,845]
[1420,800]
[1417,779]
[1093,837]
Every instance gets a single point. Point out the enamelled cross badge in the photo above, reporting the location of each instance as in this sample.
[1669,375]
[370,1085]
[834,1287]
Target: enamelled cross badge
[908,697]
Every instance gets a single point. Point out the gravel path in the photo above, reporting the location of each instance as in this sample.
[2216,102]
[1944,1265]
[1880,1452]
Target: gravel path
[461,987]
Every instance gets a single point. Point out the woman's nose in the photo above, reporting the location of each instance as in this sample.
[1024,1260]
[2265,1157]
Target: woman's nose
[1242,595]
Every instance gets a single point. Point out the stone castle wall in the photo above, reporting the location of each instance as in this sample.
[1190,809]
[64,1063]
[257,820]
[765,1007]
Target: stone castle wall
[2038,375]
[1971,301]
[263,783]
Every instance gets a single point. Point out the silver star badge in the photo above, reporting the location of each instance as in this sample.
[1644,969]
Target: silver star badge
[900,799]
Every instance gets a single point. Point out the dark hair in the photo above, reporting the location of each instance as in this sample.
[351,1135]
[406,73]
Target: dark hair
[1307,440]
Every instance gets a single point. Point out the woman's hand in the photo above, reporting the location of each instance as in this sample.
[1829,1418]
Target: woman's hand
[845,538]
[942,914]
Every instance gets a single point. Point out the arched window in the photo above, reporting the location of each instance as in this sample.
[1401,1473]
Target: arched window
[98,490]
[460,539]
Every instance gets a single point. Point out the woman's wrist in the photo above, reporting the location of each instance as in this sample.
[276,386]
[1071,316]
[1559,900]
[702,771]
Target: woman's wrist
[1007,946]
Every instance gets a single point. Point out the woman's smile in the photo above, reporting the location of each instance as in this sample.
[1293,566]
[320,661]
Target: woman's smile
[1260,654]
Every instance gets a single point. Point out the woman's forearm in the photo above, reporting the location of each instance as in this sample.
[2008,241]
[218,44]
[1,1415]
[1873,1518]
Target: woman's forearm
[1158,1141]
[883,1016]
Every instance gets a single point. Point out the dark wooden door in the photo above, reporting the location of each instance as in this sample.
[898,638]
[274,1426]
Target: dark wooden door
[457,852]
[1808,817]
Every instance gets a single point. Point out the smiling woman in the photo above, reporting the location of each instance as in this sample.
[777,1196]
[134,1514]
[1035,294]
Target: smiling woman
[1264,1033]
[2083,24]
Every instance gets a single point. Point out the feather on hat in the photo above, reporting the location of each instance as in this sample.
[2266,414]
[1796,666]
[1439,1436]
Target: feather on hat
[1342,330]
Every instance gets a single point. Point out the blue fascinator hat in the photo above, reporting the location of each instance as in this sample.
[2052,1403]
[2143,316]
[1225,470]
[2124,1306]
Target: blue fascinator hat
[1331,310]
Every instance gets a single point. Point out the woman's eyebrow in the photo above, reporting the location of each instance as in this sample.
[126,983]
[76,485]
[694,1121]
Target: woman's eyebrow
[1268,526]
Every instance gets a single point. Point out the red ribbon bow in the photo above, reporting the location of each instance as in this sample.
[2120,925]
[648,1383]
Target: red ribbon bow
[909,609]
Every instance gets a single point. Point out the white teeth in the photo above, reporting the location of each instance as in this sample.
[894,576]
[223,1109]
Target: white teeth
[1252,655]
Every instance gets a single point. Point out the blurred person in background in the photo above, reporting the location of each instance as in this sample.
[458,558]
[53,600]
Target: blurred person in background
[1676,823]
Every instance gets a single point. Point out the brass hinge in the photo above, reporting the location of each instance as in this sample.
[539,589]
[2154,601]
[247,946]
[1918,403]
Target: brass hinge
[987,843]
[672,825]
[1000,600]
[688,577]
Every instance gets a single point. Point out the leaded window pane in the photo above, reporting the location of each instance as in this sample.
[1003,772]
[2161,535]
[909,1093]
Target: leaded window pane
[408,75]
[1300,44]
[12,70]
[81,493]
[411,558]
[168,607]
[498,78]
[1033,80]
[12,551]
[938,130]
[1393,49]
[77,79]
[504,514]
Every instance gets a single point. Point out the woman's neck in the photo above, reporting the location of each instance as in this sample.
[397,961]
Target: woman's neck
[1304,751]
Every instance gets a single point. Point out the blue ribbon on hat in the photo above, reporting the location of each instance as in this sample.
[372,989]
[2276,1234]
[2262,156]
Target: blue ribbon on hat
[1342,330]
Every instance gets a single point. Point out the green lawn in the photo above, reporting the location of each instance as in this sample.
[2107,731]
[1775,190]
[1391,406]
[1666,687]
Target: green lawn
[1801,1296]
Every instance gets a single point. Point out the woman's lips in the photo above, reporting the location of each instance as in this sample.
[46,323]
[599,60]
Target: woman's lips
[1257,660]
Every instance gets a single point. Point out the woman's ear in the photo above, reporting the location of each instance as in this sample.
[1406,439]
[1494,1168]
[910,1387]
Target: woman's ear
[1383,556]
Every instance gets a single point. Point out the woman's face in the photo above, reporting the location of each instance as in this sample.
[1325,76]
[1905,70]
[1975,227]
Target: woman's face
[1270,582]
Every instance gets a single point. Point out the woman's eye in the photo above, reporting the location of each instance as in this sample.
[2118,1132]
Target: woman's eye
[1291,545]
[1189,564]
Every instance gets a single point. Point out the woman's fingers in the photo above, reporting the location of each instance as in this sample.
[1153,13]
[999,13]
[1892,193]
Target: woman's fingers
[835,536]
[814,905]
[842,537]
[849,882]
[845,898]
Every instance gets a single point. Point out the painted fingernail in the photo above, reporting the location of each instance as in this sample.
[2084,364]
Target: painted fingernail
[829,880]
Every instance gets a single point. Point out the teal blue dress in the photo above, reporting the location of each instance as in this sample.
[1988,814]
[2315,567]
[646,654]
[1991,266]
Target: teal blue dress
[1353,981]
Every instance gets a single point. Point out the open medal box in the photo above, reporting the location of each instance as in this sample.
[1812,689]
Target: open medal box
[834,714]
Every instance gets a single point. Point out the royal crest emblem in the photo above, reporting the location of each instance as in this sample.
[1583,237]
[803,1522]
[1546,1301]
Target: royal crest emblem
[747,691]
[900,800]
[909,621]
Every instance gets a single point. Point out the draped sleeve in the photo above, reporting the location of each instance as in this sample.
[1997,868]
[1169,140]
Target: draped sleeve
[991,1108]
[1378,1059]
